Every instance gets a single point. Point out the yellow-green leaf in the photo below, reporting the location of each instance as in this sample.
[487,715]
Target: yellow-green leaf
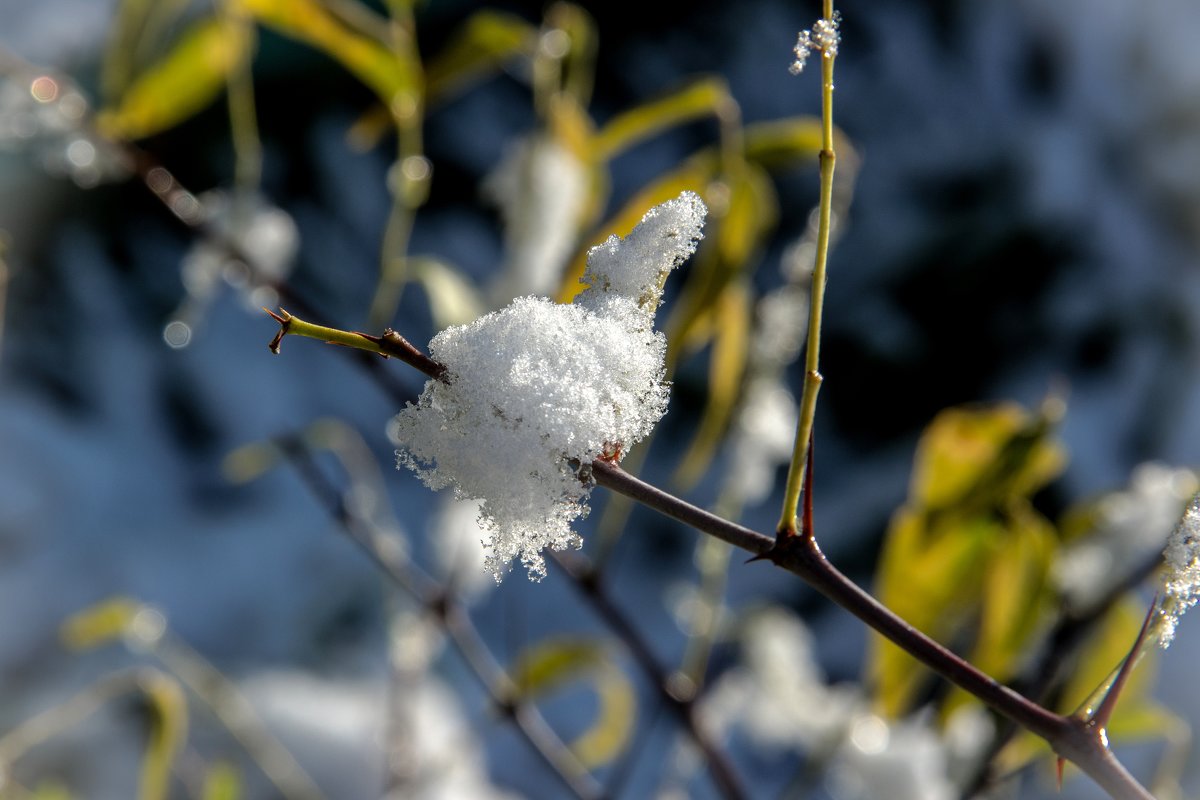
[136,29]
[48,789]
[1015,593]
[223,782]
[702,98]
[931,579]
[554,663]
[978,456]
[453,300]
[577,67]
[395,77]
[785,143]
[727,365]
[691,176]
[737,229]
[183,83]
[168,731]
[99,624]
[480,47]
[248,462]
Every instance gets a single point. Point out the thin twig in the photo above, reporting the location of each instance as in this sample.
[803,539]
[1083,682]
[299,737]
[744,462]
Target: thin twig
[683,706]
[451,614]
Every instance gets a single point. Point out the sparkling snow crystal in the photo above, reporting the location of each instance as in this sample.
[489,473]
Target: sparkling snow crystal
[537,389]
[1181,585]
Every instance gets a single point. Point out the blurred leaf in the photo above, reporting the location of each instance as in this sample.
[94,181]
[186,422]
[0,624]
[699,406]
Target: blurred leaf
[978,457]
[49,789]
[785,143]
[548,665]
[99,624]
[395,78]
[705,97]
[613,729]
[222,782]
[571,127]
[485,42]
[689,176]
[740,225]
[168,730]
[732,316]
[453,299]
[967,559]
[1137,717]
[184,82]
[1015,593]
[929,579]
[1102,657]
[248,462]
[136,26]
[554,663]
[578,65]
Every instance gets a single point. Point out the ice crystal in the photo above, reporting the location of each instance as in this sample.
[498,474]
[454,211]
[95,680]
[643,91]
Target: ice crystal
[1181,583]
[535,392]
[823,38]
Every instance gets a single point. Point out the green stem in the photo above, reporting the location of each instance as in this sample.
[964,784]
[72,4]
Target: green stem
[243,124]
[812,375]
[389,345]
[408,179]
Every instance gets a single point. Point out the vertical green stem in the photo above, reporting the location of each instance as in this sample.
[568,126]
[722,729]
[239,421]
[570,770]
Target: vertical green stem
[243,124]
[408,179]
[812,375]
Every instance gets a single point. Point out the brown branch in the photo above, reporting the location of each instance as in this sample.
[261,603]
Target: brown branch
[1073,739]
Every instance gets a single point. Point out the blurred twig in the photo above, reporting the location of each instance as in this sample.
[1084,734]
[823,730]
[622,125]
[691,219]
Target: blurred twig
[452,615]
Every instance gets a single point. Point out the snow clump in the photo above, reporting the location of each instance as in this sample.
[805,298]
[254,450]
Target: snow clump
[535,392]
[1181,583]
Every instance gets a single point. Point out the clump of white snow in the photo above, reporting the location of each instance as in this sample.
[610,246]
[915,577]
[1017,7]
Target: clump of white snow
[1181,583]
[536,390]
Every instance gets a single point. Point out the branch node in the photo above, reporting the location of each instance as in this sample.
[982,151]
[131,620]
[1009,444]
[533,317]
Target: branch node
[285,322]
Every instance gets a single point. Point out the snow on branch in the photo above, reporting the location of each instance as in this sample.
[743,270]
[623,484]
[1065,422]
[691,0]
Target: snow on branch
[535,392]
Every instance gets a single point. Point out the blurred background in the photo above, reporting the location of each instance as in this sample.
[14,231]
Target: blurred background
[1024,223]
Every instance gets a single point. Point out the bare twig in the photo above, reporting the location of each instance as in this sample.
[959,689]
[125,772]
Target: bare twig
[682,705]
[450,613]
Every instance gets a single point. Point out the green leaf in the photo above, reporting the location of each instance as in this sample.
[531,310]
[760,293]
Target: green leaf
[99,624]
[48,789]
[931,579]
[978,457]
[137,27]
[223,782]
[967,559]
[705,97]
[691,176]
[184,82]
[453,299]
[731,323]
[737,230]
[554,663]
[1016,593]
[168,731]
[485,42]
[786,143]
[395,77]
